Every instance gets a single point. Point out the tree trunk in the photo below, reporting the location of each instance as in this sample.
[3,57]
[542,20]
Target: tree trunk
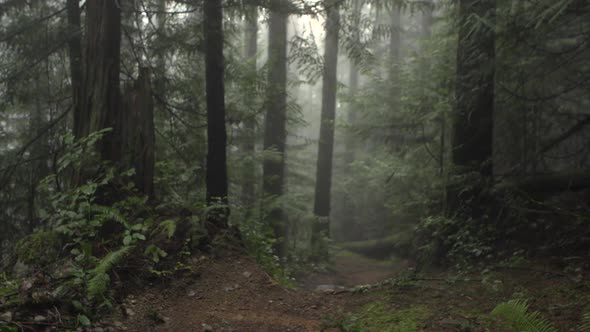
[326,142]
[472,140]
[160,73]
[216,134]
[249,147]
[395,46]
[139,137]
[348,218]
[101,89]
[275,123]
[427,19]
[75,53]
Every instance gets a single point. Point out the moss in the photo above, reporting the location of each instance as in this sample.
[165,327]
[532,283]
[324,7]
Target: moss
[40,248]
[377,317]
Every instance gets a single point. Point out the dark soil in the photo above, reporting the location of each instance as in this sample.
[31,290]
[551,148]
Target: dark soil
[235,294]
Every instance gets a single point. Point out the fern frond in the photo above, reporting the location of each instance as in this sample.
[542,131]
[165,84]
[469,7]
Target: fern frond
[99,278]
[112,259]
[108,212]
[168,227]
[516,313]
[585,322]
[98,285]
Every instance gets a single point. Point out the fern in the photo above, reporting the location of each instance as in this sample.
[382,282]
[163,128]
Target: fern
[99,278]
[515,312]
[585,322]
[108,212]
[167,227]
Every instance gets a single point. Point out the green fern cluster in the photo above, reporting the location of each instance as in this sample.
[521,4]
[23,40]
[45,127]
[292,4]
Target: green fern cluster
[515,313]
[99,277]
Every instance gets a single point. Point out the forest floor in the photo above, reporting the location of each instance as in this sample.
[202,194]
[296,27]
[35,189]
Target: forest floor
[234,294]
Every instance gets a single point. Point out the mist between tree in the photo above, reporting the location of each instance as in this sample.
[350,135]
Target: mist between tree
[449,134]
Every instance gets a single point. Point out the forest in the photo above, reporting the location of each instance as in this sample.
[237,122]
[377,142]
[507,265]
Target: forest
[295,165]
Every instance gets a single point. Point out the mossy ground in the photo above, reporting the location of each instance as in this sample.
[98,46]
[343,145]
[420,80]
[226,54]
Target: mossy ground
[40,248]
[379,317]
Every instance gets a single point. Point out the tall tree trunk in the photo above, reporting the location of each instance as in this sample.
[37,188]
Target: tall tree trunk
[39,151]
[139,138]
[472,140]
[349,215]
[275,132]
[427,19]
[216,134]
[251,50]
[101,88]
[75,53]
[160,70]
[395,46]
[323,185]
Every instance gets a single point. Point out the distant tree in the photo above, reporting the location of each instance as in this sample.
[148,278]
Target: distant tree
[426,19]
[323,185]
[348,217]
[249,145]
[216,133]
[75,55]
[275,122]
[472,138]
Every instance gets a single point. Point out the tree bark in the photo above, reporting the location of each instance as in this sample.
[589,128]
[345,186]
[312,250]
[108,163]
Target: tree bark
[326,142]
[249,146]
[348,218]
[472,140]
[216,133]
[101,97]
[139,135]
[75,53]
[275,123]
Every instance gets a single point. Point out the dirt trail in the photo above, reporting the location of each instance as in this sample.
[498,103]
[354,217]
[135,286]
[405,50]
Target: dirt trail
[235,294]
[349,269]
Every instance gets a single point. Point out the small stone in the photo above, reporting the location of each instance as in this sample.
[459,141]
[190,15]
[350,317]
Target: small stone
[247,274]
[192,293]
[98,329]
[118,324]
[39,319]
[207,327]
[7,316]
[129,312]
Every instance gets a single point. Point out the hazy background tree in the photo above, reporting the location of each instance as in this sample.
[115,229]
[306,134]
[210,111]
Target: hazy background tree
[323,186]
